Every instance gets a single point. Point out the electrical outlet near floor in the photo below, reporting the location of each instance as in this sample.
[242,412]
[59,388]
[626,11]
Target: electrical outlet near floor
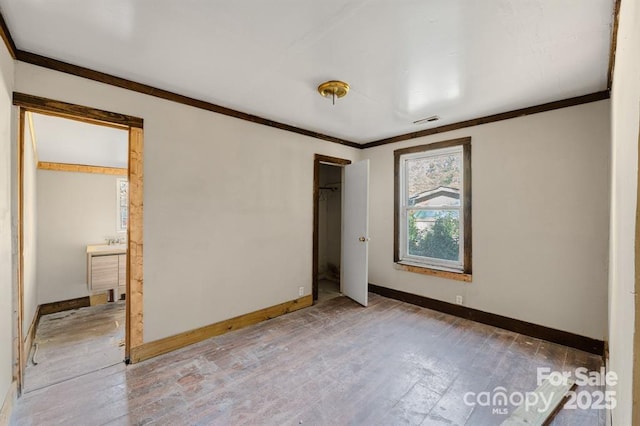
[459,300]
[301,291]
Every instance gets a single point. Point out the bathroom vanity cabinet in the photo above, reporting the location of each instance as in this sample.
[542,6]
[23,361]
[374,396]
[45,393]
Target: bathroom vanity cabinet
[107,269]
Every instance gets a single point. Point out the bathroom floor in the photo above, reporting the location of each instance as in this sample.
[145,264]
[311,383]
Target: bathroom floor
[72,343]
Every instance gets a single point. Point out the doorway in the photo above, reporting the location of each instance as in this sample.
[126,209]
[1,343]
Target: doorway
[327,235]
[329,231]
[129,237]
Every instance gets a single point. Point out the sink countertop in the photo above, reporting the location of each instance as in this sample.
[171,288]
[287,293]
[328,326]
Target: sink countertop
[107,249]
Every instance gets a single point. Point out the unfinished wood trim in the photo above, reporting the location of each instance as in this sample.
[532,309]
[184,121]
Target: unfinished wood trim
[20,362]
[168,344]
[6,37]
[614,43]
[318,160]
[550,106]
[458,276]
[145,89]
[561,337]
[32,132]
[63,305]
[81,168]
[74,112]
[134,305]
[134,329]
[8,403]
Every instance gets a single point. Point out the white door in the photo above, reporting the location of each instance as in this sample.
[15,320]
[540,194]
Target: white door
[355,232]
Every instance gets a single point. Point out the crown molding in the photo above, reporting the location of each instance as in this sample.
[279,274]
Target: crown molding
[578,100]
[6,37]
[614,43]
[145,89]
[112,80]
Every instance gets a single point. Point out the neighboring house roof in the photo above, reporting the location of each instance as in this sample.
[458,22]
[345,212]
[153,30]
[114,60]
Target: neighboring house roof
[441,191]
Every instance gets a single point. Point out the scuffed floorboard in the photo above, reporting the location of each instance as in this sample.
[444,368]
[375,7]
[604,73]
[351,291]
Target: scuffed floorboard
[331,364]
[76,342]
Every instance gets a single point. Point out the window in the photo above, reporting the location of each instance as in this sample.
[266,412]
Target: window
[433,208]
[122,197]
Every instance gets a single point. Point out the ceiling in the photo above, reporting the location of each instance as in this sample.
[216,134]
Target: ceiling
[60,140]
[404,59]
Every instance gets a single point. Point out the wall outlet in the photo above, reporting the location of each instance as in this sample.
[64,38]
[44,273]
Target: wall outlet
[459,300]
[301,291]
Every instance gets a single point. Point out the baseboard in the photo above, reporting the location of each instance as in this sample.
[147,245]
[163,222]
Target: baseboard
[168,344]
[30,336]
[565,338]
[8,404]
[64,305]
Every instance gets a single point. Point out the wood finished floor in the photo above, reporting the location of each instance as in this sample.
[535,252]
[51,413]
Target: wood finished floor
[330,364]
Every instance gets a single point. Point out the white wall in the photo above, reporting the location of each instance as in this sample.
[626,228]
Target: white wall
[624,130]
[30,300]
[228,205]
[540,220]
[74,210]
[6,263]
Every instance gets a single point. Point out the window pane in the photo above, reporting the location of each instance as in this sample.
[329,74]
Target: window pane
[434,234]
[434,181]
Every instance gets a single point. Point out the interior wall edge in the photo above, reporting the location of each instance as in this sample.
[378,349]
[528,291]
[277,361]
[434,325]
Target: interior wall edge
[8,403]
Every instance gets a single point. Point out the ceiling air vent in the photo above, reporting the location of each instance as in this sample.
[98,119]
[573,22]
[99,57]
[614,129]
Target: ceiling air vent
[427,120]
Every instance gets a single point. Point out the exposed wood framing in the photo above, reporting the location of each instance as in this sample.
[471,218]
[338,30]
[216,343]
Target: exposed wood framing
[168,344]
[81,168]
[134,335]
[32,132]
[20,308]
[134,290]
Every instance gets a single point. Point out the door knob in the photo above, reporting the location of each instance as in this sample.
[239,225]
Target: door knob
[363,239]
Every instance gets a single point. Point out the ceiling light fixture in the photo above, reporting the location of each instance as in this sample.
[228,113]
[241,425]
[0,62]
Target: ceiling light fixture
[334,89]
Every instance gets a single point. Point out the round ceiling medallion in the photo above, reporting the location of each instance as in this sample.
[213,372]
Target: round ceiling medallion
[333,89]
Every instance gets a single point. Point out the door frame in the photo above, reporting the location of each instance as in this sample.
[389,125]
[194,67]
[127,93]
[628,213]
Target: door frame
[317,161]
[134,285]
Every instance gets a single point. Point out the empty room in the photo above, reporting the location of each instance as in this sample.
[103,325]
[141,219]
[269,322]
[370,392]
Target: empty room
[302,212]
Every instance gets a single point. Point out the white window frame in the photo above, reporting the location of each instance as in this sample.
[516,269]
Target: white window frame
[430,262]
[119,227]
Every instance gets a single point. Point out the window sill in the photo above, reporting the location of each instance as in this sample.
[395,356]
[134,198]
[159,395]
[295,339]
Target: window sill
[458,276]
